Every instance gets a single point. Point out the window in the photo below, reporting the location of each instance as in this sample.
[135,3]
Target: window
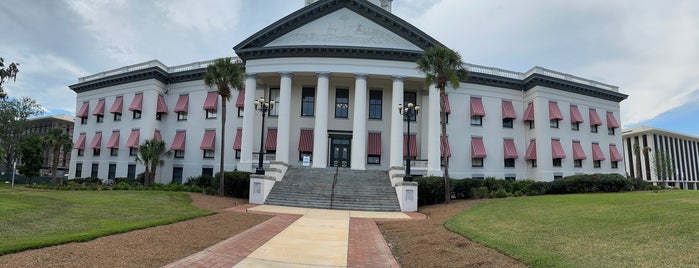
[112,172]
[96,151]
[597,163]
[554,123]
[477,162]
[210,114]
[133,151]
[240,111]
[81,152]
[83,120]
[410,97]
[209,153]
[577,163]
[557,177]
[531,124]
[533,162]
[556,162]
[95,170]
[274,95]
[510,162]
[158,116]
[114,152]
[575,126]
[131,174]
[308,101]
[476,120]
[177,175]
[237,154]
[593,128]
[507,122]
[615,164]
[374,159]
[179,153]
[610,131]
[341,103]
[510,178]
[302,154]
[181,116]
[100,118]
[136,114]
[375,104]
[78,170]
[117,116]
[207,171]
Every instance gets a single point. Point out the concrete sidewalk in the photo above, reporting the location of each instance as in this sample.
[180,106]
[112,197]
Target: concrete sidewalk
[303,237]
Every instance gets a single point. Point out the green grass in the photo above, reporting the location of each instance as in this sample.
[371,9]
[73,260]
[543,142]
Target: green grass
[33,219]
[642,229]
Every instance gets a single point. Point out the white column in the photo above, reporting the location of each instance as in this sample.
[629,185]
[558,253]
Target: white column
[359,134]
[320,132]
[284,122]
[396,158]
[246,146]
[433,133]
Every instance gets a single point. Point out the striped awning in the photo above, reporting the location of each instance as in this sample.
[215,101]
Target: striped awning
[444,146]
[133,140]
[306,140]
[271,141]
[447,107]
[578,152]
[211,102]
[575,116]
[240,101]
[374,144]
[554,111]
[137,103]
[208,142]
[409,139]
[113,142]
[477,108]
[84,110]
[477,148]
[531,151]
[99,109]
[508,111]
[597,153]
[179,142]
[117,106]
[182,105]
[157,136]
[238,139]
[557,150]
[611,120]
[529,113]
[594,118]
[162,107]
[510,149]
[80,142]
[614,153]
[96,142]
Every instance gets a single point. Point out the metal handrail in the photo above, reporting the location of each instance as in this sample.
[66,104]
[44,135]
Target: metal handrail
[332,193]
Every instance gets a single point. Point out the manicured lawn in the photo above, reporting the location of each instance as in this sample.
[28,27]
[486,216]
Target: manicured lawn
[32,219]
[642,229]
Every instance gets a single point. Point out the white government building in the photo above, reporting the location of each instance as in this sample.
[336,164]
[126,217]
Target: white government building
[338,69]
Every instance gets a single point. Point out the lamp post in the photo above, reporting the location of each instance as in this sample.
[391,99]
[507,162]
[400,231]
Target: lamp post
[263,107]
[408,113]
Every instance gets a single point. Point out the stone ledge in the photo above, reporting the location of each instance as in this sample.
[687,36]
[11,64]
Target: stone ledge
[407,183]
[276,162]
[262,177]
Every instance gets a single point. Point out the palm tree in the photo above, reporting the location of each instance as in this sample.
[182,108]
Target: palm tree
[442,66]
[224,74]
[58,141]
[150,155]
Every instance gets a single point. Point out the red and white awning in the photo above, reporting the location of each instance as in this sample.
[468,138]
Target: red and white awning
[510,149]
[477,108]
[306,140]
[557,150]
[117,106]
[374,144]
[597,154]
[578,152]
[182,105]
[137,103]
[133,140]
[508,111]
[84,110]
[99,109]
[594,118]
[96,142]
[614,153]
[271,141]
[240,101]
[413,144]
[161,106]
[113,142]
[554,111]
[531,151]
[477,148]
[444,146]
[208,142]
[80,142]
[575,116]
[529,113]
[179,142]
[611,120]
[237,143]
[211,102]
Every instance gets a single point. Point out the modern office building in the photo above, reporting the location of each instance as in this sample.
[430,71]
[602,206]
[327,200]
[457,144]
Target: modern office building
[338,70]
[646,147]
[41,126]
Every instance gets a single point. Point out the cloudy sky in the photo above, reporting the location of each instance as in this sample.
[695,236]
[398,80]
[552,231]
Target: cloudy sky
[649,48]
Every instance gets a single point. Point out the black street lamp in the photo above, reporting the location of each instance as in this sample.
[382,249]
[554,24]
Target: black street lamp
[408,113]
[263,107]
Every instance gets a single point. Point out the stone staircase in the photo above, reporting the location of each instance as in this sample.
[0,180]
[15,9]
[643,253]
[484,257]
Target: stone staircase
[365,190]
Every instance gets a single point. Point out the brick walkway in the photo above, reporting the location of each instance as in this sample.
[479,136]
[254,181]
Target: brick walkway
[367,248]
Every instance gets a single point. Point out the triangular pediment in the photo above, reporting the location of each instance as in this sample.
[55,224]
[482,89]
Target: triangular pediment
[343,27]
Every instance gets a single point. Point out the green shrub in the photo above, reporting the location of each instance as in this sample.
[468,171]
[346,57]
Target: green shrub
[430,190]
[537,188]
[236,184]
[132,182]
[479,192]
[500,193]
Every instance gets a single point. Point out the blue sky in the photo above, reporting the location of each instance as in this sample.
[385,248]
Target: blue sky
[650,48]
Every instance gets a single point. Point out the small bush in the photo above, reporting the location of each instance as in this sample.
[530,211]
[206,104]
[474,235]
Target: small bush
[430,190]
[500,193]
[479,192]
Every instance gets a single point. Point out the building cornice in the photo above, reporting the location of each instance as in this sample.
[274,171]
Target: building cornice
[139,75]
[331,52]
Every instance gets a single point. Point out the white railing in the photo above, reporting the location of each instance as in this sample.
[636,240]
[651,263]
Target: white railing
[149,64]
[493,71]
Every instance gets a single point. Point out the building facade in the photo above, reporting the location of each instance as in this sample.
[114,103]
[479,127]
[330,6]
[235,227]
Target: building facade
[42,126]
[647,147]
[337,70]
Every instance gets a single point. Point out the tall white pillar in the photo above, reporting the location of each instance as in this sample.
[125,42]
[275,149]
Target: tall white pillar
[359,134]
[284,122]
[433,133]
[396,158]
[320,132]
[246,145]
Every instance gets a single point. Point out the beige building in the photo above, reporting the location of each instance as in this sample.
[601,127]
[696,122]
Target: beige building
[42,125]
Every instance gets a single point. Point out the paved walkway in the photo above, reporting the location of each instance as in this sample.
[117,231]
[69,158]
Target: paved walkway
[303,237]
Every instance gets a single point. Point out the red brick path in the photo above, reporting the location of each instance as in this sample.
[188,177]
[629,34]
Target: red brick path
[367,248]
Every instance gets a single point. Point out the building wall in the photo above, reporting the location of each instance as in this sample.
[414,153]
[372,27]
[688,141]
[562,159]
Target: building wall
[42,126]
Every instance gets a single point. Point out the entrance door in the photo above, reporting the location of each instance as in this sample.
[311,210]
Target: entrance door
[340,152]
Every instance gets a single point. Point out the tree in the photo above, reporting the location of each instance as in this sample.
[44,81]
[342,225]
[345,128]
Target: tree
[224,74]
[662,165]
[442,66]
[31,151]
[57,141]
[13,117]
[7,73]
[637,153]
[150,155]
